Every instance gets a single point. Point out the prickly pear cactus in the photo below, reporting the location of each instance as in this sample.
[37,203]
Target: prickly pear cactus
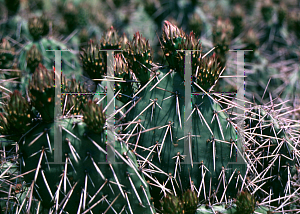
[184,158]
[82,172]
[41,92]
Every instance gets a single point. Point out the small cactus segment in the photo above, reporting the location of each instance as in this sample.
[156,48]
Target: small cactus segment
[207,72]
[93,116]
[41,92]
[190,201]
[172,204]
[7,55]
[222,35]
[36,27]
[175,40]
[70,14]
[46,24]
[186,204]
[93,61]
[74,96]
[139,55]
[33,58]
[111,40]
[16,119]
[245,203]
[282,13]
[172,36]
[125,83]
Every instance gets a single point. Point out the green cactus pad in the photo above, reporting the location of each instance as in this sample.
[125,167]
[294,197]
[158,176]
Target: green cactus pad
[33,58]
[139,55]
[159,116]
[42,92]
[96,184]
[16,119]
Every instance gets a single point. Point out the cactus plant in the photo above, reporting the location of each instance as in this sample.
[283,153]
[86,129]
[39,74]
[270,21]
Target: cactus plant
[33,58]
[157,129]
[245,203]
[153,112]
[16,118]
[121,187]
